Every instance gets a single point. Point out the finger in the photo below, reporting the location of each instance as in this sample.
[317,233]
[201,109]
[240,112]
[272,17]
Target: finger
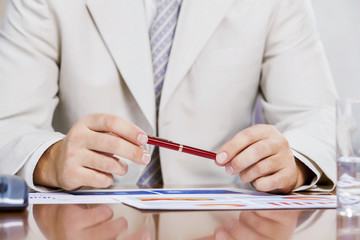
[279,182]
[116,125]
[106,230]
[242,140]
[265,224]
[221,233]
[95,216]
[240,230]
[93,178]
[104,163]
[284,217]
[252,154]
[262,168]
[108,143]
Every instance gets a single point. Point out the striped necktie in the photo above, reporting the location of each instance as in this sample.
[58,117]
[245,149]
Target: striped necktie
[162,32]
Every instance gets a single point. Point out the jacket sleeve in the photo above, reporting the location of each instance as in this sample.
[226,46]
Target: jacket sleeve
[298,93]
[29,68]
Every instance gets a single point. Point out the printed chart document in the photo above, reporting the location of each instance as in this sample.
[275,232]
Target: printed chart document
[187,199]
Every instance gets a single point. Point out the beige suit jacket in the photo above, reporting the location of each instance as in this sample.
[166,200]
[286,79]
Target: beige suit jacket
[61,60]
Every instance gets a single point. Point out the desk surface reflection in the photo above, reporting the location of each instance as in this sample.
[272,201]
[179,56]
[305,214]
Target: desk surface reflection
[118,221]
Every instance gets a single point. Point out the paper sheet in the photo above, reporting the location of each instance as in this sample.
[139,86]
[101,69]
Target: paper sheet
[188,199]
[116,196]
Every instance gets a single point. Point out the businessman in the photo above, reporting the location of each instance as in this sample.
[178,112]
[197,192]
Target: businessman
[83,84]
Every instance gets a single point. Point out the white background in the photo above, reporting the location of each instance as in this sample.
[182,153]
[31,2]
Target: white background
[339,28]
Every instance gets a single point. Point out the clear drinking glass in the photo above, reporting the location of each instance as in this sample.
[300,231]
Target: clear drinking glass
[348,157]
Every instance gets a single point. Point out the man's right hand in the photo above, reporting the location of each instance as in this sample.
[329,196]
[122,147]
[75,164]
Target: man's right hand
[85,156]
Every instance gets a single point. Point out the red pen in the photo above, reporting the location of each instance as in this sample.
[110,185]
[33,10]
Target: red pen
[179,147]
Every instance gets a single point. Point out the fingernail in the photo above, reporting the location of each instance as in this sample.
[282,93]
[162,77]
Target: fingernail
[230,170]
[146,158]
[221,158]
[142,139]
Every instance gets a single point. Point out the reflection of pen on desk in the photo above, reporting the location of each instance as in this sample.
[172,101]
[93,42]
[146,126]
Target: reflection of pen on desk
[179,147]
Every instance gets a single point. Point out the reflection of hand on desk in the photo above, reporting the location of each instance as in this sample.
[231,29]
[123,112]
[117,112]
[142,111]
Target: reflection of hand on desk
[260,225]
[78,222]
[117,221]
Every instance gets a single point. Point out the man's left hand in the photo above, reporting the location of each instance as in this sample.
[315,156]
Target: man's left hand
[261,155]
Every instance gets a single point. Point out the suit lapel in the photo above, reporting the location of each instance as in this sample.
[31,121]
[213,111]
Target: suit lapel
[197,21]
[122,24]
